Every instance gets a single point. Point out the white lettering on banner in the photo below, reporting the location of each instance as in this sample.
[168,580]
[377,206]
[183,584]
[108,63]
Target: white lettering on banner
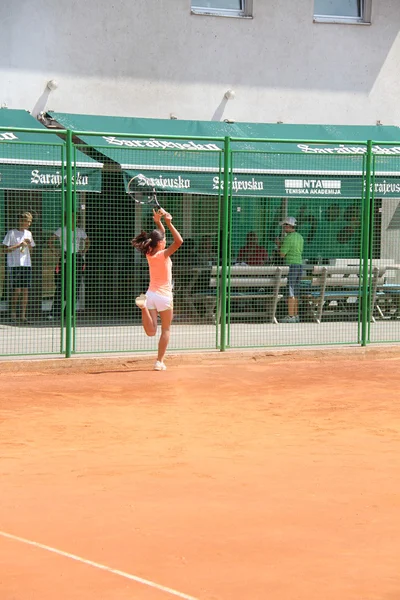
[163,182]
[7,136]
[342,149]
[238,184]
[159,144]
[56,178]
[385,187]
[320,187]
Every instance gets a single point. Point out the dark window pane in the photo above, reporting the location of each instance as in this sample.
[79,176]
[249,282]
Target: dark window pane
[218,4]
[338,8]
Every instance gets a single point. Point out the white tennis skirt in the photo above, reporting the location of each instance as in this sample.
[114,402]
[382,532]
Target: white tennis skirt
[159,302]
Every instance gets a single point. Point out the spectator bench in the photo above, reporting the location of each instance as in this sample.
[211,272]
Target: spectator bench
[387,298]
[388,301]
[336,291]
[329,291]
[250,287]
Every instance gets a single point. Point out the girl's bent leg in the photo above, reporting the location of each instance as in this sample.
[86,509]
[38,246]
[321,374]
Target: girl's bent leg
[166,320]
[149,321]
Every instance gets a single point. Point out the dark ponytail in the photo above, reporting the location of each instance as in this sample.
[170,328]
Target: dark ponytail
[146,242]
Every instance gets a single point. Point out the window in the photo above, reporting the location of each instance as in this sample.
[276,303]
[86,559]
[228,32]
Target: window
[223,8]
[342,11]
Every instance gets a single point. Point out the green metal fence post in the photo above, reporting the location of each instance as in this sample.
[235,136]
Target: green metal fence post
[219,250]
[365,313]
[371,243]
[229,251]
[224,241]
[68,265]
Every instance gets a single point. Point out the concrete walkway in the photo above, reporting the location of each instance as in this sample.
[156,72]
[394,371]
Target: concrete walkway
[43,339]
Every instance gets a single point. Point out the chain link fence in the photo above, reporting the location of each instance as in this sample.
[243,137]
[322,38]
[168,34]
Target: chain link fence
[384,247]
[281,248]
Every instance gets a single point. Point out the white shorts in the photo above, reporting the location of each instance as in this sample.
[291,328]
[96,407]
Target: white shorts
[158,301]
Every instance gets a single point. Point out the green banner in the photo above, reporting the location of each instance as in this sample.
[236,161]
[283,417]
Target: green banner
[31,177]
[271,186]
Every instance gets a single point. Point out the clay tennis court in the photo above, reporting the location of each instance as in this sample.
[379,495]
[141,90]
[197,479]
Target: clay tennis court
[237,478]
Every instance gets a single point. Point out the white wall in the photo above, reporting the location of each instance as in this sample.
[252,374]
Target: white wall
[151,58]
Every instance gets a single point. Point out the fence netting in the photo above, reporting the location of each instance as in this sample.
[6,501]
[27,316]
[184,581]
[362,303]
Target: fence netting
[280,248]
[32,190]
[384,252]
[322,195]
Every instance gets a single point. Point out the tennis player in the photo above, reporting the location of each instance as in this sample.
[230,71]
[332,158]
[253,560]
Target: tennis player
[158,298]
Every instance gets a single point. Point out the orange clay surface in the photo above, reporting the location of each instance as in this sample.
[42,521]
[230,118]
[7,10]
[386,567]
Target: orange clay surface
[270,479]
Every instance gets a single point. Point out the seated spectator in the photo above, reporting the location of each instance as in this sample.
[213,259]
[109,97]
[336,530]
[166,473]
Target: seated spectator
[184,263]
[186,260]
[206,252]
[188,253]
[252,253]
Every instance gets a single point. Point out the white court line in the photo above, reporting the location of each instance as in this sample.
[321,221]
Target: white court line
[85,561]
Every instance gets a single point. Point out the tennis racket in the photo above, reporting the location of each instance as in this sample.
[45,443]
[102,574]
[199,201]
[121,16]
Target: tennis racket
[141,197]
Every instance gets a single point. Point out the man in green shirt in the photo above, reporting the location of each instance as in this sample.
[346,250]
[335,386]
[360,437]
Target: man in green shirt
[292,249]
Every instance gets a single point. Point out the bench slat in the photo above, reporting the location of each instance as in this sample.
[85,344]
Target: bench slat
[255,271]
[250,282]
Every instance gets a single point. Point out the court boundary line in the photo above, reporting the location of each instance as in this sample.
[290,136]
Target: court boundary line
[91,563]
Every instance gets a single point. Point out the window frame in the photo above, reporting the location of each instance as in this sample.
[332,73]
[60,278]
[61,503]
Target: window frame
[245,13]
[365,18]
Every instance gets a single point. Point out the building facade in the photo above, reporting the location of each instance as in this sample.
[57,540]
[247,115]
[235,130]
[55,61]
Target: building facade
[312,61]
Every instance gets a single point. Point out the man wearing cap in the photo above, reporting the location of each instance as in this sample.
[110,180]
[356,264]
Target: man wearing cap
[292,249]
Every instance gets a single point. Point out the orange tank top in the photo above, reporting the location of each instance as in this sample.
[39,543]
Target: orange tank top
[160,267]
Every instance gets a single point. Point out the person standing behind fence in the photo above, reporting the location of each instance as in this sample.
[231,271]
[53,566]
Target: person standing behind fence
[292,249]
[158,298]
[18,244]
[80,246]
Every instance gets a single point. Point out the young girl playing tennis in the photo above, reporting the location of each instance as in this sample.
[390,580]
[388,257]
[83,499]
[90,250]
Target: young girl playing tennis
[158,298]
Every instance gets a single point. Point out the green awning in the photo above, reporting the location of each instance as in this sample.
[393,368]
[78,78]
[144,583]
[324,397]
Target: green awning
[272,169]
[31,161]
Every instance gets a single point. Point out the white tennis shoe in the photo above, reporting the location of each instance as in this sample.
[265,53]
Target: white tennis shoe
[141,301]
[159,366]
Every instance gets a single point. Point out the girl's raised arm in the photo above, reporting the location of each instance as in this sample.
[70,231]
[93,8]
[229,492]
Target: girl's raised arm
[157,216]
[178,240]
